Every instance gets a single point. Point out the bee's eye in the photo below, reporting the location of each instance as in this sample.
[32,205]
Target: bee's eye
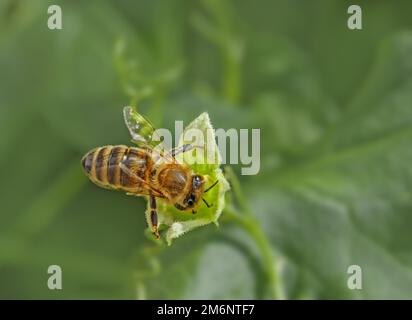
[191,201]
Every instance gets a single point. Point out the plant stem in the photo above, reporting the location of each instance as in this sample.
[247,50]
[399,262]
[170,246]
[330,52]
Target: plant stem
[249,223]
[237,190]
[232,75]
[269,261]
[221,30]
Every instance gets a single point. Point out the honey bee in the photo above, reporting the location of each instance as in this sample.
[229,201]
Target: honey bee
[145,171]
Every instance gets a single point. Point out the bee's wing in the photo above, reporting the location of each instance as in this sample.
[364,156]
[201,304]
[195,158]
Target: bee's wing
[142,131]
[145,188]
[144,135]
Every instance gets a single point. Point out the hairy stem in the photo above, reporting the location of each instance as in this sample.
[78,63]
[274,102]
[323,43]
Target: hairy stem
[269,261]
[232,75]
[248,222]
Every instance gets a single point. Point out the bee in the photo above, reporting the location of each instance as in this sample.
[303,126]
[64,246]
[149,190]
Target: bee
[145,171]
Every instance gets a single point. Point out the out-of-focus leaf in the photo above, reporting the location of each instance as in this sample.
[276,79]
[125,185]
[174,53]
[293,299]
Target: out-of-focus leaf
[350,205]
[345,202]
[333,107]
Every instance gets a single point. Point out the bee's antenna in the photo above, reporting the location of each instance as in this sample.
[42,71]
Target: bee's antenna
[215,183]
[207,205]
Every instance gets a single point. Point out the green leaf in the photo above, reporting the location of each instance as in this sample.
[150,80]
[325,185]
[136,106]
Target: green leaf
[180,222]
[345,200]
[333,106]
[348,201]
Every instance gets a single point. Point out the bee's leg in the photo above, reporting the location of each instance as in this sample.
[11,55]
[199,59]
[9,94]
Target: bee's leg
[182,149]
[153,217]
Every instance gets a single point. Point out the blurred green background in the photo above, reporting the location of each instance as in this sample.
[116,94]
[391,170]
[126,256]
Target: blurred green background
[333,105]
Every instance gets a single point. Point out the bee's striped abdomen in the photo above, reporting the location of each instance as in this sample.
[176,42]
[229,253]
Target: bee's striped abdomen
[139,163]
[95,164]
[104,167]
[113,168]
[100,164]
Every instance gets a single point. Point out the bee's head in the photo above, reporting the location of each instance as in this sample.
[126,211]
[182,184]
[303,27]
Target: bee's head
[191,199]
